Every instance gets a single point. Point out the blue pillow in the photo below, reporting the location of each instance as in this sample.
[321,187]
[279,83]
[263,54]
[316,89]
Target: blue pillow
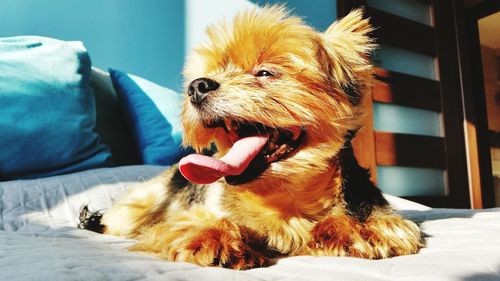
[153,115]
[47,109]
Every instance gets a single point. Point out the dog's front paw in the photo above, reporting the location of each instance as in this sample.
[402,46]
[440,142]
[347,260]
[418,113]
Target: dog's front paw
[381,236]
[391,235]
[338,236]
[218,246]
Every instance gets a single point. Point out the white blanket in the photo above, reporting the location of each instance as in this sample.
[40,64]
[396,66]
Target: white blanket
[39,240]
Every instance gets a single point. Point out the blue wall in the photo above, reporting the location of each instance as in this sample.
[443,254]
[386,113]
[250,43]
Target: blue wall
[147,38]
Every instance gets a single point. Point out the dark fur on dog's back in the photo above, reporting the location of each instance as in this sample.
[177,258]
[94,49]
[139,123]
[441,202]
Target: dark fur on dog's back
[360,194]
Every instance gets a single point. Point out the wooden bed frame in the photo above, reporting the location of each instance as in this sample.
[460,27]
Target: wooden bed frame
[460,152]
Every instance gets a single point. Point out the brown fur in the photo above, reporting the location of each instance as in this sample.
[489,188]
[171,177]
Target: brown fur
[297,206]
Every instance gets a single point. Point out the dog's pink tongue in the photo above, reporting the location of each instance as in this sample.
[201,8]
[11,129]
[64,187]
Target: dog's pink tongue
[203,169]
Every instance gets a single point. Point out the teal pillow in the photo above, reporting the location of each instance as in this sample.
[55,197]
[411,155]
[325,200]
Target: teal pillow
[152,112]
[47,109]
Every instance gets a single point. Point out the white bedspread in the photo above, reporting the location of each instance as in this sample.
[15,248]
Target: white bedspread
[39,240]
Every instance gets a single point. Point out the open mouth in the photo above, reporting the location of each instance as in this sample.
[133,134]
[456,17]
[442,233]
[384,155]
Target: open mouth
[254,147]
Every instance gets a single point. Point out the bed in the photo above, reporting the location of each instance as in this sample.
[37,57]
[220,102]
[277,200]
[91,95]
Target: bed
[39,240]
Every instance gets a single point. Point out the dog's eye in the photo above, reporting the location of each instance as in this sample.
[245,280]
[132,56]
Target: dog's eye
[264,73]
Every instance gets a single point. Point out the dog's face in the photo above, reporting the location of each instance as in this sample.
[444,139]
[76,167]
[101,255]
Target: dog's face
[271,77]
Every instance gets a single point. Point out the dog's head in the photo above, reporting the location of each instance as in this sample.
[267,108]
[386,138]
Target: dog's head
[275,96]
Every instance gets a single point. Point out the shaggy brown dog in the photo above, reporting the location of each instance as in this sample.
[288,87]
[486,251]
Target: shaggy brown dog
[281,103]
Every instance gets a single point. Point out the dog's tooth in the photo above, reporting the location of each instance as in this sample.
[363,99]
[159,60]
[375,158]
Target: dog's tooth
[271,158]
[227,122]
[295,133]
[281,149]
[231,125]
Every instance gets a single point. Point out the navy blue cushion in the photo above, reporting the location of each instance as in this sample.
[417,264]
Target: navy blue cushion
[152,112]
[47,109]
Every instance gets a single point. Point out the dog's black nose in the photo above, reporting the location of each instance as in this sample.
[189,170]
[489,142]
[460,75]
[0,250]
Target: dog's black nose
[199,89]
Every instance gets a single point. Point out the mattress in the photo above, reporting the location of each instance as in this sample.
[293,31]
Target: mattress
[39,240]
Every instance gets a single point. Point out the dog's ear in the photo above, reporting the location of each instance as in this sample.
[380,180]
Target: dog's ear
[347,47]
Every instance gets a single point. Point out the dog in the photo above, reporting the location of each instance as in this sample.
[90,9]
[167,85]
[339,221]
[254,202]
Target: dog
[281,102]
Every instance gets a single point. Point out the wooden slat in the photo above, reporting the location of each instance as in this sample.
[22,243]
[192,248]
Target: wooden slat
[407,90]
[453,119]
[401,32]
[473,166]
[394,149]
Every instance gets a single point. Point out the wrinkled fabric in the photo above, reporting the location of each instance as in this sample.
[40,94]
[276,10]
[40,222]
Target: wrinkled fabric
[39,240]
